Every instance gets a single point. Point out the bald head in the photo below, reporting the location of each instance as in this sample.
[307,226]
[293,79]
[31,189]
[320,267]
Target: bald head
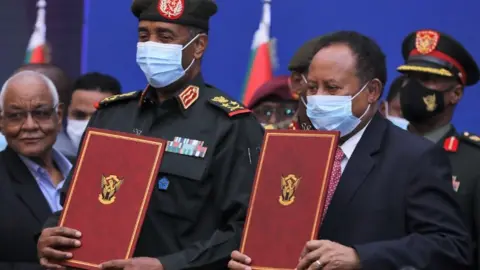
[25,81]
[59,78]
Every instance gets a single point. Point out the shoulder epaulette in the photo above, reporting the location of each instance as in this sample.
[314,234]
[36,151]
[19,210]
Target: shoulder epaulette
[471,138]
[116,98]
[229,106]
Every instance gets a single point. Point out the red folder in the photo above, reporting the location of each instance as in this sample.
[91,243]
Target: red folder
[288,196]
[109,193]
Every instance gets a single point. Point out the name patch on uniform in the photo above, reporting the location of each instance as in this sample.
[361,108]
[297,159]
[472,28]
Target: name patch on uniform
[188,147]
[163,183]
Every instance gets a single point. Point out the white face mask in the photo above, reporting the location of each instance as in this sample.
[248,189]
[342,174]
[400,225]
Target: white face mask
[397,121]
[162,63]
[75,130]
[328,112]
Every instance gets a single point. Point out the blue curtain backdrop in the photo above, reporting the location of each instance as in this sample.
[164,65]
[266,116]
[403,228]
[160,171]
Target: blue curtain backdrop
[111,35]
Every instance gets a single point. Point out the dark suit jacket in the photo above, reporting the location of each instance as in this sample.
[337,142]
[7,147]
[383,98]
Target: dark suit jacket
[395,204]
[23,210]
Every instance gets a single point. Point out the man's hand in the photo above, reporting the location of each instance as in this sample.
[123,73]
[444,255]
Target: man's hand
[51,240]
[239,261]
[140,263]
[327,255]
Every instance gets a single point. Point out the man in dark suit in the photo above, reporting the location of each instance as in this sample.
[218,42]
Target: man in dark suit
[389,203]
[31,171]
[438,68]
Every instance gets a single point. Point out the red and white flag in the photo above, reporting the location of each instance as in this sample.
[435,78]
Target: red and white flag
[36,50]
[262,59]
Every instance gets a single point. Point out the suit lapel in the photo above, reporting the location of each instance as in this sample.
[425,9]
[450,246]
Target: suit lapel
[358,167]
[25,186]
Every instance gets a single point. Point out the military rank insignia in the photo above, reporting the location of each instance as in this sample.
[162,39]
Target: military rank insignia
[231,107]
[187,147]
[450,144]
[189,96]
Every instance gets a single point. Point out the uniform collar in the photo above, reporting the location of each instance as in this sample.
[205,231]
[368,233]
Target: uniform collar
[183,98]
[438,134]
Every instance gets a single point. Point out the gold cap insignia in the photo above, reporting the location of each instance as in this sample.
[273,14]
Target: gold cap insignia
[426,41]
[289,185]
[171,9]
[110,186]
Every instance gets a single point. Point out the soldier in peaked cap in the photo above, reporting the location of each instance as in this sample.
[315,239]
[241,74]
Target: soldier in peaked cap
[438,69]
[197,209]
[298,67]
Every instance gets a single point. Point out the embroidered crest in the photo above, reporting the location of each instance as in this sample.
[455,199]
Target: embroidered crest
[426,41]
[114,98]
[430,102]
[230,106]
[110,186]
[455,183]
[189,96]
[289,185]
[451,144]
[171,9]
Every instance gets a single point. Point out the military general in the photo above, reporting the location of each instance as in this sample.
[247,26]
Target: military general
[439,68]
[197,210]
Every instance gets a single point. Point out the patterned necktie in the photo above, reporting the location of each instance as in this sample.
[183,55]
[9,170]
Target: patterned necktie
[334,178]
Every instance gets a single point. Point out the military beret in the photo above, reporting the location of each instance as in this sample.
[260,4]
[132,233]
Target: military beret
[303,56]
[433,52]
[194,13]
[278,87]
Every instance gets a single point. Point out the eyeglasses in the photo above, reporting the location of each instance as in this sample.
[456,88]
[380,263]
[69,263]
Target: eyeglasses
[266,112]
[38,115]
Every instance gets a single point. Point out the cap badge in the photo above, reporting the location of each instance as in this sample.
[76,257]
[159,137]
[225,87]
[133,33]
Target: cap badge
[430,103]
[171,9]
[426,41]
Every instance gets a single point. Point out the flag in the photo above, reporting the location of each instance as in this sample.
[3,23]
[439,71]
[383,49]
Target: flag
[36,50]
[262,59]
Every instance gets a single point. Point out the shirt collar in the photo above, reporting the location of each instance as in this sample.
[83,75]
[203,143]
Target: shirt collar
[60,160]
[183,98]
[349,145]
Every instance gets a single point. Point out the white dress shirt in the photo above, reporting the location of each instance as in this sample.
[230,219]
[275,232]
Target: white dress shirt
[349,146]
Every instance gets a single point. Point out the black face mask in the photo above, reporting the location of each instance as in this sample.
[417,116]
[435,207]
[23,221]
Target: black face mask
[420,103]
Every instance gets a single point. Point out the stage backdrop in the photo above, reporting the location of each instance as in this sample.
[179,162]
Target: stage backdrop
[112,36]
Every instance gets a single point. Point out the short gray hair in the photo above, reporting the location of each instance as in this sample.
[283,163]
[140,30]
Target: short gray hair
[50,85]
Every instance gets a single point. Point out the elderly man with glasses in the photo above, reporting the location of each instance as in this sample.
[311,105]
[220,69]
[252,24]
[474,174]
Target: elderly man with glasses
[31,171]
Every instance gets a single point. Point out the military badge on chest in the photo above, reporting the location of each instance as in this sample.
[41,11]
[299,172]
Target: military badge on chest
[187,147]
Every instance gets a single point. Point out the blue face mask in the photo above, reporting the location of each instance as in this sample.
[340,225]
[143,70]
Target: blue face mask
[397,121]
[328,112]
[162,63]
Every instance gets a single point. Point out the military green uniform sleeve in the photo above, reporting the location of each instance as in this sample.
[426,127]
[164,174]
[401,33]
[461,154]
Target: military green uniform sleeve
[233,168]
